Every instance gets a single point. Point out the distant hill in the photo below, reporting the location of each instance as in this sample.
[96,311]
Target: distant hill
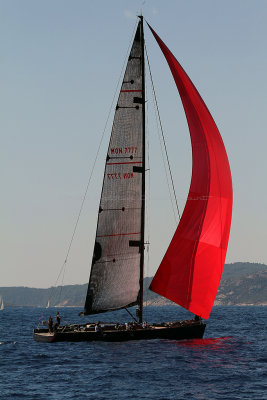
[69,295]
[250,288]
[241,284]
[239,269]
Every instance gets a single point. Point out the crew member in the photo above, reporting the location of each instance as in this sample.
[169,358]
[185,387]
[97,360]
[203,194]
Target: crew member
[58,318]
[50,324]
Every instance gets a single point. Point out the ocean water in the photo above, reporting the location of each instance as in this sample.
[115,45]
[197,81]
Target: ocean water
[228,363]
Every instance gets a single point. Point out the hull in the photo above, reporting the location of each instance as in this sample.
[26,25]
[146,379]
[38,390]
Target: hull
[176,331]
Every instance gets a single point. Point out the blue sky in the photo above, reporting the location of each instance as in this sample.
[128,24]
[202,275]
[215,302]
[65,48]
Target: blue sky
[60,64]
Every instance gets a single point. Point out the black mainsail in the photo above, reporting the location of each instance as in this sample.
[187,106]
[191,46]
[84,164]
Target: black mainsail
[117,265]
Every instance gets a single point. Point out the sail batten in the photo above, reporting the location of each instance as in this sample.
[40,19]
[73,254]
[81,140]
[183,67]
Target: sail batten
[191,269]
[115,272]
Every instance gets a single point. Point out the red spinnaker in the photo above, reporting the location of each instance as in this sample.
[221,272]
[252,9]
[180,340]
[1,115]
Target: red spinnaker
[191,269]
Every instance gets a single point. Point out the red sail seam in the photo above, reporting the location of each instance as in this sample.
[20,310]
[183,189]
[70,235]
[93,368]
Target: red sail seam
[119,163]
[120,234]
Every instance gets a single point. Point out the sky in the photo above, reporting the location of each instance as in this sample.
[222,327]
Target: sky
[60,66]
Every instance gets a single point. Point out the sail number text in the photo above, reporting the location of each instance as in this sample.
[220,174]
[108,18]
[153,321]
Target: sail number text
[118,175]
[123,150]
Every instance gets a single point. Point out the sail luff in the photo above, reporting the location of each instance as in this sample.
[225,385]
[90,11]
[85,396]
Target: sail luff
[191,269]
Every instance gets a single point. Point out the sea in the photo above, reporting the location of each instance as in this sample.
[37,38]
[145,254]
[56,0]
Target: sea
[229,363]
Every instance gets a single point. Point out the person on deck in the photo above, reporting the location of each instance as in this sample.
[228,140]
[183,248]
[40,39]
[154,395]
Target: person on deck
[58,318]
[50,324]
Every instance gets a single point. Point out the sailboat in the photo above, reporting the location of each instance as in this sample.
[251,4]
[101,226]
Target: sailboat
[2,305]
[191,269]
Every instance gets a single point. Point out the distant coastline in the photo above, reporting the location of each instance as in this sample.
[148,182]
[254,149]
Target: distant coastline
[242,284]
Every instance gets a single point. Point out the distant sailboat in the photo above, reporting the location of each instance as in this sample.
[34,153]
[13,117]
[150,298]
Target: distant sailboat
[48,304]
[2,305]
[191,269]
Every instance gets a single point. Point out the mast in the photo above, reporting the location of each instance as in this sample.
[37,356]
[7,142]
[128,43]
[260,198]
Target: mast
[142,249]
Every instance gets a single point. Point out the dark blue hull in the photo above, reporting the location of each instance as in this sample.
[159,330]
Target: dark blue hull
[177,331]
